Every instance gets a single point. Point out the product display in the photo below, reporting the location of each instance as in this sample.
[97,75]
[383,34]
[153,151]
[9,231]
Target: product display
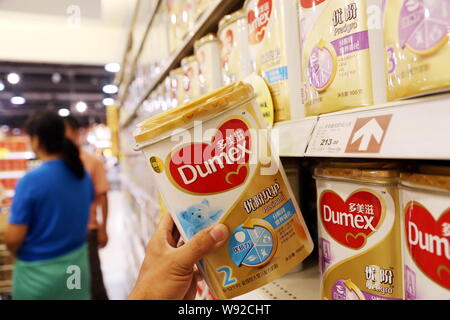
[207,50]
[316,131]
[273,35]
[233,33]
[191,69]
[177,78]
[417,47]
[341,55]
[359,231]
[198,179]
[425,205]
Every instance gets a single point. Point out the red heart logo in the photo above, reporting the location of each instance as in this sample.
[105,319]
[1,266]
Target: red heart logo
[428,242]
[257,22]
[351,222]
[216,167]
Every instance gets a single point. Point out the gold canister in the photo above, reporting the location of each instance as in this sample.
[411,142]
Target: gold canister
[425,205]
[359,231]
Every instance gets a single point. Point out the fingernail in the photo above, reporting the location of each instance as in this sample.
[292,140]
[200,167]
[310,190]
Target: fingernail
[219,232]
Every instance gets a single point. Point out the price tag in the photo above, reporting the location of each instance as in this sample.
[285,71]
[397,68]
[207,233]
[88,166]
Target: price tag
[330,137]
[349,135]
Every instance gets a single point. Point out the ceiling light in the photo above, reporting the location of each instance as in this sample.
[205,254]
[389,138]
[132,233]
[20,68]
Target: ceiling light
[110,89]
[18,100]
[108,101]
[63,112]
[81,106]
[2,86]
[112,67]
[13,78]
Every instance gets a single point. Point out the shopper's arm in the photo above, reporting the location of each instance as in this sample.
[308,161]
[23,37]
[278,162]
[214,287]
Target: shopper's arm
[102,201]
[169,272]
[15,235]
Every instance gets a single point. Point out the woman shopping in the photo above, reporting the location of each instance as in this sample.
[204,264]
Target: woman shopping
[49,217]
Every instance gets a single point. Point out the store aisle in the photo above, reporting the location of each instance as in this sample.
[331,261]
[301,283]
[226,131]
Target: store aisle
[112,256]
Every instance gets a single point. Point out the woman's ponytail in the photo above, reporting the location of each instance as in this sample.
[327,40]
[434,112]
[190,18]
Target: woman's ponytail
[50,130]
[71,157]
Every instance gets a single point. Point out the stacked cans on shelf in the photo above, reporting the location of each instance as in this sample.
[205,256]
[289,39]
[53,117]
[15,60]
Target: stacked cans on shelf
[383,233]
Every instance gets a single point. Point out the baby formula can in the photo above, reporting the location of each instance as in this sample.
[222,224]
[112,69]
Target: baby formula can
[233,34]
[417,45]
[207,50]
[425,203]
[177,77]
[273,37]
[359,232]
[342,51]
[191,71]
[222,176]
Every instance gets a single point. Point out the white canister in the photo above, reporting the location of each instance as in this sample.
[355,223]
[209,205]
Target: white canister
[177,77]
[217,173]
[207,50]
[191,69]
[274,42]
[233,34]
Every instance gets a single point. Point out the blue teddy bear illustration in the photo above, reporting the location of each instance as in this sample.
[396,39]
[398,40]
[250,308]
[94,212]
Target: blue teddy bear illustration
[198,217]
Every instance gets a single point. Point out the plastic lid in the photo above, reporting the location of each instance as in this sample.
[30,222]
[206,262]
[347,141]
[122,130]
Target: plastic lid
[200,109]
[208,38]
[188,60]
[230,18]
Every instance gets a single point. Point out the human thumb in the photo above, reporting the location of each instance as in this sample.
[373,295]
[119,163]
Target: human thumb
[202,244]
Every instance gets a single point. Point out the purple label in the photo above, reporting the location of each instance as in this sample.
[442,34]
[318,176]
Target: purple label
[410,284]
[324,254]
[320,67]
[347,290]
[370,296]
[353,42]
[423,24]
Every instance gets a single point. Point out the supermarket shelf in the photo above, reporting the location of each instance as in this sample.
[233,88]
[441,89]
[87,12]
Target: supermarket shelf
[302,285]
[294,136]
[17,156]
[12,174]
[124,86]
[208,21]
[410,129]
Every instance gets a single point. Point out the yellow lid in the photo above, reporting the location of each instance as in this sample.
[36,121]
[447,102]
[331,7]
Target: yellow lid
[429,176]
[202,108]
[359,170]
[176,72]
[230,18]
[208,38]
[188,60]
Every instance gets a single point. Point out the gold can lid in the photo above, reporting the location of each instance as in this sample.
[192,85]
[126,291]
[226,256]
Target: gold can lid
[359,170]
[210,37]
[188,60]
[203,108]
[430,176]
[230,18]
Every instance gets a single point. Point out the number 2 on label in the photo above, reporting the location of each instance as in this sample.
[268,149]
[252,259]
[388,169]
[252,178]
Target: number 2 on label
[228,280]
